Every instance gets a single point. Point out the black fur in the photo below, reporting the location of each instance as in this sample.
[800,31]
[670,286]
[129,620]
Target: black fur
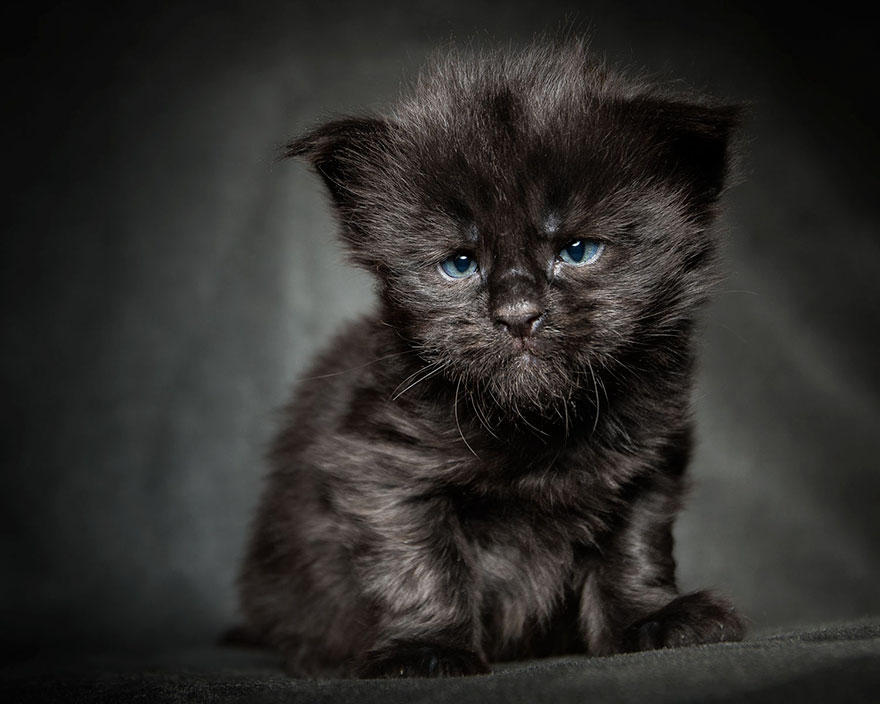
[489,467]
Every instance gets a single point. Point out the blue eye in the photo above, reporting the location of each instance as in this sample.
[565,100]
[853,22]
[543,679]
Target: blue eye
[581,252]
[459,266]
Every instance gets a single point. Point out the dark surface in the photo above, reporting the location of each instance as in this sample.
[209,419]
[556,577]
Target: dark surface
[839,664]
[163,282]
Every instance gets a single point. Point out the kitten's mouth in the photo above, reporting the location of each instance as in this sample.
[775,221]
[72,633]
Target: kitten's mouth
[526,348]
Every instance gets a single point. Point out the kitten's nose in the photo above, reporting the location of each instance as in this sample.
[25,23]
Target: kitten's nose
[520,319]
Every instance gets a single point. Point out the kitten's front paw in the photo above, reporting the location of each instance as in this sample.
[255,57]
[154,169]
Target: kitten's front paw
[691,619]
[415,659]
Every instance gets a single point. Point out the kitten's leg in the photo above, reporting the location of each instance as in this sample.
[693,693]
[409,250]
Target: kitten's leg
[630,600]
[420,659]
[690,619]
[418,583]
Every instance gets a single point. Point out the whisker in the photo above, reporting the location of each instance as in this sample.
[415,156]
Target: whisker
[478,411]
[457,424]
[737,290]
[352,369]
[604,390]
[596,389]
[565,407]
[410,377]
[431,372]
[526,421]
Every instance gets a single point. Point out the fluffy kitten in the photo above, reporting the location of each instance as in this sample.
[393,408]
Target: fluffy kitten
[489,466]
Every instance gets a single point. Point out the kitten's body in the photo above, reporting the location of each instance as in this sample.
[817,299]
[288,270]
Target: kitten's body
[489,467]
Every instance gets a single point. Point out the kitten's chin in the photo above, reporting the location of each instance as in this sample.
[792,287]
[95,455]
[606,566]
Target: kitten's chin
[529,380]
[527,361]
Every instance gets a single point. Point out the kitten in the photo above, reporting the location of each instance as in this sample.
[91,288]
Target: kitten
[489,467]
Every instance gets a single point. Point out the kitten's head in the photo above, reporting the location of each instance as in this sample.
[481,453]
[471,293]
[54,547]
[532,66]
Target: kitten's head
[531,217]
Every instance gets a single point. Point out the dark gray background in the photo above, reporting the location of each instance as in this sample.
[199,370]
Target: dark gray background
[165,281]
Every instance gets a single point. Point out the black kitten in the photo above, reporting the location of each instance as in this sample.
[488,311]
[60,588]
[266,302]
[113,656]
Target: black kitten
[490,465]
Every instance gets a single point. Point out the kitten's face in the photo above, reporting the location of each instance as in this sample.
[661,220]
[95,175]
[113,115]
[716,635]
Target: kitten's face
[524,297]
[528,233]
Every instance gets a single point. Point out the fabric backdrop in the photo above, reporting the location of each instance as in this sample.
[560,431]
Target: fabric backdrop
[165,280]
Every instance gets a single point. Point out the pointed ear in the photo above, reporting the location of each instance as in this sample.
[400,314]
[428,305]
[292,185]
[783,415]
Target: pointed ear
[343,152]
[695,144]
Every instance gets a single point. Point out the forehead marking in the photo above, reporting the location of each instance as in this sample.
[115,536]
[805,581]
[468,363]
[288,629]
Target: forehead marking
[552,223]
[472,233]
